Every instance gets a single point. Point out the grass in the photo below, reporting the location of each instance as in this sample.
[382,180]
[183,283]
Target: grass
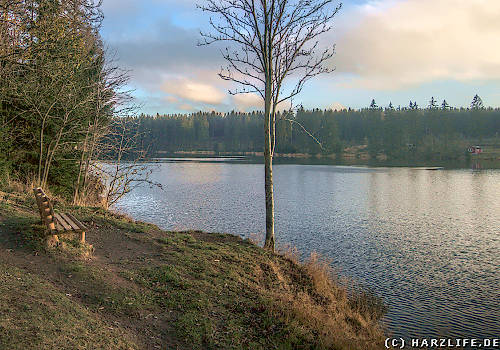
[100,292]
[229,293]
[187,290]
[35,315]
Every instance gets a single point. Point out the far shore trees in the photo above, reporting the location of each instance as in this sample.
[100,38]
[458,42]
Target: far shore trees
[271,40]
[238,132]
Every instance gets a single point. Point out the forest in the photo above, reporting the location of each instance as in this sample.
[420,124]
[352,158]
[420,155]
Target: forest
[434,132]
[58,94]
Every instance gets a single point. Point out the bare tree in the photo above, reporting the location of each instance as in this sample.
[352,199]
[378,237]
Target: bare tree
[111,98]
[122,166]
[270,41]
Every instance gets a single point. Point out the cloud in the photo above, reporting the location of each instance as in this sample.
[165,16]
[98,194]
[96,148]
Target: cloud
[159,48]
[193,91]
[395,44]
[383,45]
[186,107]
[248,102]
[171,99]
[120,7]
[164,48]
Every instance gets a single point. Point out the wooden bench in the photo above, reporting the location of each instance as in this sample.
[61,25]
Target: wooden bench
[57,223]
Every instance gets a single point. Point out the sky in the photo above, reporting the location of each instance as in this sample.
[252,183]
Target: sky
[387,50]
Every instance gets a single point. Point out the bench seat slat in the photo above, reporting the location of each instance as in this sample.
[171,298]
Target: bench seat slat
[62,222]
[77,222]
[70,222]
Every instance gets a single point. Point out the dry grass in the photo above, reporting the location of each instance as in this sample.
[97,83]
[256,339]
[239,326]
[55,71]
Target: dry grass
[336,294]
[22,193]
[290,252]
[312,295]
[257,238]
[93,193]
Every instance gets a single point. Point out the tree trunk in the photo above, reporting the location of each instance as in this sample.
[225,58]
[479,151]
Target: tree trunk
[268,160]
[80,169]
[268,173]
[40,161]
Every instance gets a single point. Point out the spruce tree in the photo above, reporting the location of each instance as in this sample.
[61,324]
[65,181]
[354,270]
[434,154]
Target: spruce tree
[432,103]
[477,103]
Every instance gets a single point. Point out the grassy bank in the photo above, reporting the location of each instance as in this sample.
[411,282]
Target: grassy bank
[144,288]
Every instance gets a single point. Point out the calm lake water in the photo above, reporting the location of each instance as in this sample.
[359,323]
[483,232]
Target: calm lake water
[427,241]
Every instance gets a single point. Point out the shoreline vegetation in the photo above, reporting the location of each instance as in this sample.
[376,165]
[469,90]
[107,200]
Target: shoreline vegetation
[143,288]
[360,152]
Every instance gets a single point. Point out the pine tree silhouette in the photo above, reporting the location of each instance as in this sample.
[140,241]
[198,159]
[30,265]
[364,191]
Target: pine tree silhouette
[477,103]
[432,103]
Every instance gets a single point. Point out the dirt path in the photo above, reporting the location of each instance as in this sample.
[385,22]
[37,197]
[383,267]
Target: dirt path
[114,251]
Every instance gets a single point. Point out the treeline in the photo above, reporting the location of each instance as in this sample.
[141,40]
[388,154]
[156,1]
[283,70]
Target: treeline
[399,133]
[57,92]
[236,132]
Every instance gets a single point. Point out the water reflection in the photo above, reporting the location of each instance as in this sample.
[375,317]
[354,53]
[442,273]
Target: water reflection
[425,240]
[195,173]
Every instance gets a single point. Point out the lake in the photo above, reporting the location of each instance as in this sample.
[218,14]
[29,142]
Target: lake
[426,241]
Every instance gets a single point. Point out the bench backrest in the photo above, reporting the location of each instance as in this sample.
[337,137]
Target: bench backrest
[45,208]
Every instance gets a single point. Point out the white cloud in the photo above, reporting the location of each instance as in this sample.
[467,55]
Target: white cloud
[394,44]
[248,102]
[171,99]
[120,7]
[193,91]
[186,107]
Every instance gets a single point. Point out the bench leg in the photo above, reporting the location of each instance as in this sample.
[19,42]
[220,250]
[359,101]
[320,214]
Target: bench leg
[82,237]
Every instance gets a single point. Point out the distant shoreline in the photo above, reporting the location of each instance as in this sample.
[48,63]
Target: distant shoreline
[476,162]
[355,152]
